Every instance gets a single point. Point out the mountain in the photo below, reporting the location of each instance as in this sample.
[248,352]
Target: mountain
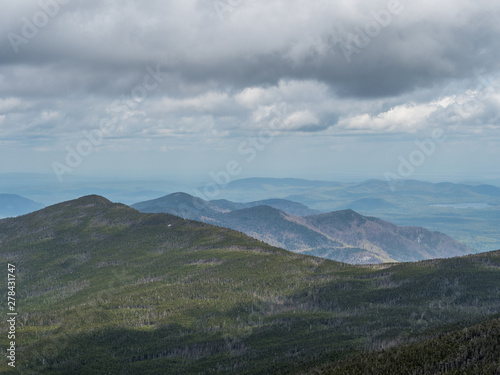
[469,212]
[277,228]
[183,205]
[105,289]
[288,206]
[187,206]
[330,195]
[259,183]
[385,240]
[285,205]
[367,204]
[343,235]
[15,205]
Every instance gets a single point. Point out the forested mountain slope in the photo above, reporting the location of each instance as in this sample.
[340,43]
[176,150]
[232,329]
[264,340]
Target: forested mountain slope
[105,289]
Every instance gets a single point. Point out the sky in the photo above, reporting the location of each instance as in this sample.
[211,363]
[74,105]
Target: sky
[225,89]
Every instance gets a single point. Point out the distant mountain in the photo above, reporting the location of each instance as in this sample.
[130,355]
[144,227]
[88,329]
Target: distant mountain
[404,202]
[183,205]
[265,182]
[386,240]
[426,188]
[343,235]
[106,289]
[276,228]
[14,205]
[285,205]
[195,208]
[486,190]
[326,195]
[365,204]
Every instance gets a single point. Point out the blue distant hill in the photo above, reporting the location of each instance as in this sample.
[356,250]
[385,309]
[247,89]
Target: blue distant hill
[12,205]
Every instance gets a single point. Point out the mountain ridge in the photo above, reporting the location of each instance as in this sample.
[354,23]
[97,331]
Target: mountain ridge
[340,235]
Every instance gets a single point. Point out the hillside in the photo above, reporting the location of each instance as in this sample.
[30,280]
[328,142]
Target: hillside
[469,351]
[277,228]
[105,289]
[385,239]
[344,235]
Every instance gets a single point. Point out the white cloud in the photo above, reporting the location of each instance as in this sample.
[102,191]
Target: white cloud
[211,101]
[472,108]
[405,118]
[11,104]
[302,120]
[253,97]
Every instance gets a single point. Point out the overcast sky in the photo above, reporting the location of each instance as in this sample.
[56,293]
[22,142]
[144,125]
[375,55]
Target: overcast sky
[313,89]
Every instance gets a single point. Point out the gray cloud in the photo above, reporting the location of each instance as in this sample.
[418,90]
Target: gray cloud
[97,46]
[337,72]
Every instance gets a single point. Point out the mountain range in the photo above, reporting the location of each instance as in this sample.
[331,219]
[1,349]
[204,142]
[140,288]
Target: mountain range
[332,190]
[467,212]
[104,289]
[342,235]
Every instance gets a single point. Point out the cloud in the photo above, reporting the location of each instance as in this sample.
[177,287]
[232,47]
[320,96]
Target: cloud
[262,43]
[206,103]
[403,118]
[474,110]
[11,104]
[224,80]
[303,120]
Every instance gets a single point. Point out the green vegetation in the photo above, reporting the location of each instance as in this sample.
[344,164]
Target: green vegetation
[104,289]
[470,351]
